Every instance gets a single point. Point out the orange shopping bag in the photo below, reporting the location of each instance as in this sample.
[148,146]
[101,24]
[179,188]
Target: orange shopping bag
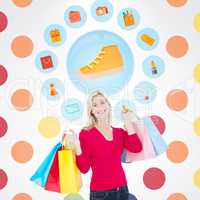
[128,18]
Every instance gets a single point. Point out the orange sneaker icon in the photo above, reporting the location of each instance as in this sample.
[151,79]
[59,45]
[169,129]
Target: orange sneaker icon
[108,61]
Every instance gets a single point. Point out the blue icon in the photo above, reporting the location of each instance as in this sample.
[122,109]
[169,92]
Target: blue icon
[46,61]
[86,49]
[153,66]
[128,18]
[55,35]
[145,92]
[102,10]
[119,107]
[72,109]
[75,16]
[147,39]
[53,89]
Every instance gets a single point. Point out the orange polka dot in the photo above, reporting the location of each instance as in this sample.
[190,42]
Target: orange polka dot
[177,46]
[177,196]
[177,152]
[22,3]
[177,99]
[21,196]
[22,46]
[177,3]
[22,99]
[22,152]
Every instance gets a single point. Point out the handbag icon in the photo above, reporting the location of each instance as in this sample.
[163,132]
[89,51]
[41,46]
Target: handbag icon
[128,18]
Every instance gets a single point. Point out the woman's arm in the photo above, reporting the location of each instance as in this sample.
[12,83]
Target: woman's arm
[131,139]
[82,153]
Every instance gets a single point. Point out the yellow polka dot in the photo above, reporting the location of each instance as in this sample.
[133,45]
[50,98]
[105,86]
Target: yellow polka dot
[196,126]
[197,22]
[196,73]
[196,178]
[49,127]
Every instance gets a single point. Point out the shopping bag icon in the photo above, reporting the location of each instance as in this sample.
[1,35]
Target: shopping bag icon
[128,18]
[46,62]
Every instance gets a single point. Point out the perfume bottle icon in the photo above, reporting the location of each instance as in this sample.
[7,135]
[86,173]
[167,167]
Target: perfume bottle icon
[53,91]
[153,67]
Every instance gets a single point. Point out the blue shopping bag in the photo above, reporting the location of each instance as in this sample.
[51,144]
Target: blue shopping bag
[41,175]
[158,142]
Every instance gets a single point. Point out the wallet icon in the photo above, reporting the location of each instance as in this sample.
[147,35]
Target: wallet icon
[74,16]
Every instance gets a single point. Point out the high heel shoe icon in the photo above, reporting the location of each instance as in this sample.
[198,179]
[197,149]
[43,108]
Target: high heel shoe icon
[108,61]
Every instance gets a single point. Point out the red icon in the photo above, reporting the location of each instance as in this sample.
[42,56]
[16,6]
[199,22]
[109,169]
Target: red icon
[74,16]
[46,62]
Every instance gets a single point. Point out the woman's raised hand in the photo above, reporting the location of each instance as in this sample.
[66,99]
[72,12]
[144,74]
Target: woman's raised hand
[72,141]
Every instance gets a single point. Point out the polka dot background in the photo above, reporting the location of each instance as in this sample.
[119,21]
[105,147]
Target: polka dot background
[30,123]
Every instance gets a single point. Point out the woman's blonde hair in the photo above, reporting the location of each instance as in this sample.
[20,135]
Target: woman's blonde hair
[92,120]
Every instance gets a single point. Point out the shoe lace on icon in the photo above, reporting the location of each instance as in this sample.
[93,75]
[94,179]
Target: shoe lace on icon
[96,61]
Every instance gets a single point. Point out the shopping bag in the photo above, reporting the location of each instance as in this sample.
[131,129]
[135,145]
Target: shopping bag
[70,178]
[152,142]
[53,183]
[159,144]
[148,148]
[41,175]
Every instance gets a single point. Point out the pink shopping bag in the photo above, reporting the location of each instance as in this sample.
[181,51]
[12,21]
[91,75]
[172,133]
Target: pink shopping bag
[148,148]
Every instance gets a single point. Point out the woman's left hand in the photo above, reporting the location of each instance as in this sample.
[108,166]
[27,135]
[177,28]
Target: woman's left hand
[129,118]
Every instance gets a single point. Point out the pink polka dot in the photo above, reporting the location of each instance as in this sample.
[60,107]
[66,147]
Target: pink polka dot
[159,123]
[154,178]
[3,179]
[3,21]
[3,127]
[4,75]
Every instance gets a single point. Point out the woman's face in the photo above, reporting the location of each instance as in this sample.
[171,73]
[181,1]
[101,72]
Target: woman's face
[100,107]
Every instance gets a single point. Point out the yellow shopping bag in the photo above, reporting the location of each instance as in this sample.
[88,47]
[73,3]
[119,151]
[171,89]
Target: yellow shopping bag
[70,177]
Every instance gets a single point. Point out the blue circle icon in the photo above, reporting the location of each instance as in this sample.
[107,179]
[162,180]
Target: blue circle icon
[72,109]
[128,18]
[147,39]
[55,35]
[102,10]
[145,92]
[100,60]
[153,66]
[119,107]
[46,61]
[53,89]
[75,16]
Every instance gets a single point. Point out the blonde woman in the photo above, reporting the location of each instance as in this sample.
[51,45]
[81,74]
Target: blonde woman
[100,146]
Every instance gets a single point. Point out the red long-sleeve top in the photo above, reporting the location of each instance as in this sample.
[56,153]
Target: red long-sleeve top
[104,156]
